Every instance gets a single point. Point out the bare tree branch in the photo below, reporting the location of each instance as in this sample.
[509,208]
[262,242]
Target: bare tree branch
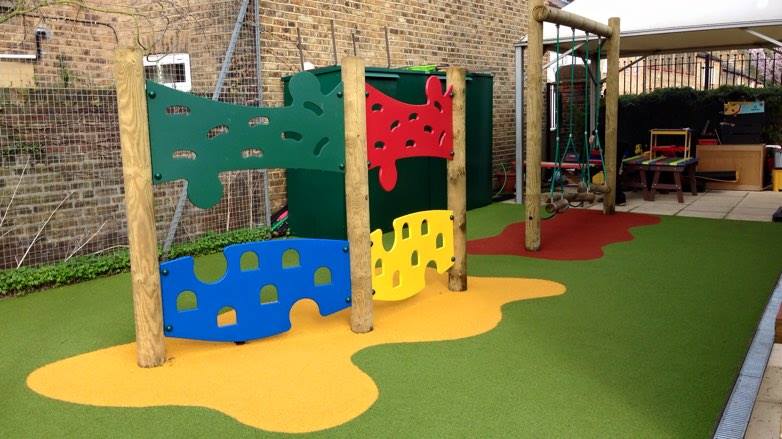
[35,238]
[13,195]
[76,250]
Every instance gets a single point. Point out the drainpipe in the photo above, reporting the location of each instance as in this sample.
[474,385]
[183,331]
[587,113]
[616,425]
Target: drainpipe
[41,33]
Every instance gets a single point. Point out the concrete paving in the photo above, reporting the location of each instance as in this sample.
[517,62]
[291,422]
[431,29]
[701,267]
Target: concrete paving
[734,205]
[766,419]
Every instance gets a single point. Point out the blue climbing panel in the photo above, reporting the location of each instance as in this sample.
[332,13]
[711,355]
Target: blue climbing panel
[276,274]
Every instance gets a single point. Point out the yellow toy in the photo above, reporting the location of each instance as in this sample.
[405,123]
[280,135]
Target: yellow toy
[421,237]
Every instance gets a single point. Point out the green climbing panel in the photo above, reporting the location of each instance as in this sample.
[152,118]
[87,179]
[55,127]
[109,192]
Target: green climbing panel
[195,139]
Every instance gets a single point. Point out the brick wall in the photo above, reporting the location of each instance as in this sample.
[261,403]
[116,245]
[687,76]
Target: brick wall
[70,120]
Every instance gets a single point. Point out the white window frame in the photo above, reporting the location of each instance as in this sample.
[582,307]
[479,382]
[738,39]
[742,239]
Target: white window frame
[172,58]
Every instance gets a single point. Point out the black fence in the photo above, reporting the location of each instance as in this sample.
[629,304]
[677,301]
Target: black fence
[702,71]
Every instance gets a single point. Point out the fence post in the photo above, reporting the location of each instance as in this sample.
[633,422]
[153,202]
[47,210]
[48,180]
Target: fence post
[612,115]
[357,193]
[457,180]
[139,203]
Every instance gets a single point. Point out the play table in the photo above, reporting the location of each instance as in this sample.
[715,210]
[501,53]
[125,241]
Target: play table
[675,165]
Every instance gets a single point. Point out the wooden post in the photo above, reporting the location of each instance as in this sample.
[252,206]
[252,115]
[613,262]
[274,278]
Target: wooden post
[534,109]
[612,115]
[357,193]
[139,204]
[457,180]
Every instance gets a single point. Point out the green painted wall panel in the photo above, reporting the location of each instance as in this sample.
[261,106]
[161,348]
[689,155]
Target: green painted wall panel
[316,200]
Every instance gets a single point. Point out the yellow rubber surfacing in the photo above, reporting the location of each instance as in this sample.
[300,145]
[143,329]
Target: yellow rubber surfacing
[300,381]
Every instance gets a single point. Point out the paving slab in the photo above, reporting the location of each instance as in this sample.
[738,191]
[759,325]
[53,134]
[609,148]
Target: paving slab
[765,421]
[690,212]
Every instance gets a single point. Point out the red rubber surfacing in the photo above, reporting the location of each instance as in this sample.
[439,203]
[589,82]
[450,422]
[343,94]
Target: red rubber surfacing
[577,234]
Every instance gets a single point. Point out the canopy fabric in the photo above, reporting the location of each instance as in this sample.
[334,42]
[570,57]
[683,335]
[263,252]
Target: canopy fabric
[666,26]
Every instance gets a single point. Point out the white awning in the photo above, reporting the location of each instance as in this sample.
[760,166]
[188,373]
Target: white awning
[666,26]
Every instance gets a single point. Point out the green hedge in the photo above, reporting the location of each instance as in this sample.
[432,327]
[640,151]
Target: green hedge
[20,281]
[685,107]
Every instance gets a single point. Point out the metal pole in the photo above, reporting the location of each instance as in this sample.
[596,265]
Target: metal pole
[388,49]
[334,43]
[764,37]
[519,123]
[300,47]
[259,78]
[229,53]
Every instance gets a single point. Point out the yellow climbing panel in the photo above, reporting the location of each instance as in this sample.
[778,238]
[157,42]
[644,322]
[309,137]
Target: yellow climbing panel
[419,238]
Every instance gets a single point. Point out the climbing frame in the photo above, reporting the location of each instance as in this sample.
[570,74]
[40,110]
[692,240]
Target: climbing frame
[195,139]
[253,299]
[419,238]
[397,130]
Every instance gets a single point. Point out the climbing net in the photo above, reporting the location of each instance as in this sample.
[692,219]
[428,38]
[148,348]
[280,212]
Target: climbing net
[558,199]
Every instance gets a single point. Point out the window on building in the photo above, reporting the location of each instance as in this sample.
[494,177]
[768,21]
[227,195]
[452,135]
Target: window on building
[171,70]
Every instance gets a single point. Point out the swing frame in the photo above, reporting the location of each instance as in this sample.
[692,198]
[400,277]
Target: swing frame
[532,98]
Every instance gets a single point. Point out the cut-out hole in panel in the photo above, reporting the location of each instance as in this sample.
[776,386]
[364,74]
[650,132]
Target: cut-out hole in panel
[183,154]
[438,106]
[439,241]
[258,120]
[178,110]
[269,294]
[394,124]
[248,261]
[377,107]
[320,145]
[414,258]
[380,144]
[413,116]
[396,279]
[322,277]
[315,108]
[405,231]
[252,153]
[219,130]
[290,259]
[378,267]
[410,143]
[424,228]
[226,316]
[186,301]
[428,129]
[210,269]
[291,135]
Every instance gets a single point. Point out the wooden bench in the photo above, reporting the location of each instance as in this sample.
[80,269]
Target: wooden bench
[674,165]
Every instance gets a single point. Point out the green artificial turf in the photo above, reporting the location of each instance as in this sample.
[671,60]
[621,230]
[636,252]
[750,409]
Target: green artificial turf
[646,342]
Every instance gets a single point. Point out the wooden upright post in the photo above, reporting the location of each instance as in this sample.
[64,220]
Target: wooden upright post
[139,203]
[612,115]
[357,193]
[534,108]
[457,180]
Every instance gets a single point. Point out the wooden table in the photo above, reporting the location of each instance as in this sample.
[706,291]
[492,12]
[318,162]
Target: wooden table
[674,165]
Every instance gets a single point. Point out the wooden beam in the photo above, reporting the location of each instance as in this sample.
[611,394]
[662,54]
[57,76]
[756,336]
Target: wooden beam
[612,115]
[534,117]
[357,193]
[457,180]
[139,204]
[558,16]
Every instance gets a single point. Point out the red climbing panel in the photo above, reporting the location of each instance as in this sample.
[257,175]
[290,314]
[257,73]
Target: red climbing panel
[397,130]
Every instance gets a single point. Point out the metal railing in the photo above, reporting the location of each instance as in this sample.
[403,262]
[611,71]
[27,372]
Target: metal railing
[702,70]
